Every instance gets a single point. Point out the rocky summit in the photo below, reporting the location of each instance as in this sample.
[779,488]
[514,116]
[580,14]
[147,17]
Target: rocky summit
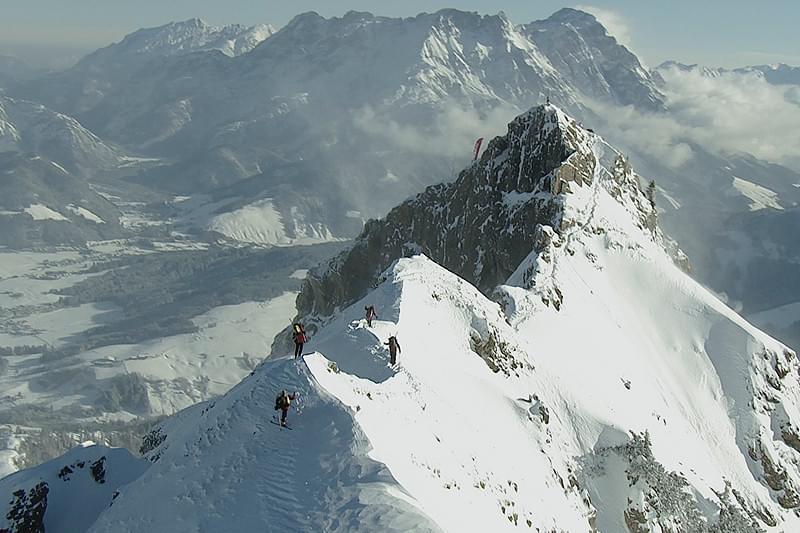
[484,224]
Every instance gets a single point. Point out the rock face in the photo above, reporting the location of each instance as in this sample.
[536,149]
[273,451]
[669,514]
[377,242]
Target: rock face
[485,223]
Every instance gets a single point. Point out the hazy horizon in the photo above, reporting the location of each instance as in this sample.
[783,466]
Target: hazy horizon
[50,34]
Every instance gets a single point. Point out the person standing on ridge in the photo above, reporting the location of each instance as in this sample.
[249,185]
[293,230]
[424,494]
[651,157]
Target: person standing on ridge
[299,336]
[394,349]
[371,314]
[283,402]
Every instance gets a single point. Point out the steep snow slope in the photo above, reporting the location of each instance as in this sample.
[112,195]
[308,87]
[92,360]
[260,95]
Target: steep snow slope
[718,398]
[240,472]
[760,197]
[68,493]
[471,432]
[605,391]
[595,239]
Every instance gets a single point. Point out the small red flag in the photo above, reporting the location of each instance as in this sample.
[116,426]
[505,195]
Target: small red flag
[477,148]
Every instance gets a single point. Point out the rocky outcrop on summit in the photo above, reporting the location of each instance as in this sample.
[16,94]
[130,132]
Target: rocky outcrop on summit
[483,225]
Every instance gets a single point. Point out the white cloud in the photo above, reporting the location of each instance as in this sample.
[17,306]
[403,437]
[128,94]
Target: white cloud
[452,134]
[728,113]
[615,23]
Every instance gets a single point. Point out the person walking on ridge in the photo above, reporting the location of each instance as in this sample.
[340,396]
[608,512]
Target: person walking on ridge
[299,336]
[394,349]
[283,402]
[371,314]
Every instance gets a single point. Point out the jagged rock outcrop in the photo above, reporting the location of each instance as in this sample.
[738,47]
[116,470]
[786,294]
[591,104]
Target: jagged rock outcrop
[483,225]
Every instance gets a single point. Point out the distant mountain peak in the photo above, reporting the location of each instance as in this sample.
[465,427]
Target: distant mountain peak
[569,14]
[180,37]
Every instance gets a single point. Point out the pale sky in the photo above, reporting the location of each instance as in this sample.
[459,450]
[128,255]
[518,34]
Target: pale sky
[724,33]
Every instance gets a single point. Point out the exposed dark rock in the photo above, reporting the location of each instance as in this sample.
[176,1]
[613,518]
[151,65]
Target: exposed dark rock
[64,473]
[99,470]
[665,501]
[776,478]
[152,440]
[27,510]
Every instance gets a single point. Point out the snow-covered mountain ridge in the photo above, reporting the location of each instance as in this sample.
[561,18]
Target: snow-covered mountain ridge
[323,94]
[483,225]
[31,127]
[602,390]
[185,37]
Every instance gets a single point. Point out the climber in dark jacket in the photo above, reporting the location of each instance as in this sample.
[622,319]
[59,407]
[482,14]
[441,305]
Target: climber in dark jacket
[299,337]
[283,402]
[394,349]
[371,314]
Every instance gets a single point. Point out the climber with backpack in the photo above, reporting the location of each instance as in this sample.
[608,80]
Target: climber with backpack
[299,337]
[283,401]
[371,314]
[394,349]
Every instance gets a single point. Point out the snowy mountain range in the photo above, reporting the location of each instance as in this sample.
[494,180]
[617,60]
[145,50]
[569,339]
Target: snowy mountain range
[776,74]
[84,85]
[601,389]
[246,139]
[244,128]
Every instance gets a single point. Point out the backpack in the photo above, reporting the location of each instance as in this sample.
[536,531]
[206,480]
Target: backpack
[281,401]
